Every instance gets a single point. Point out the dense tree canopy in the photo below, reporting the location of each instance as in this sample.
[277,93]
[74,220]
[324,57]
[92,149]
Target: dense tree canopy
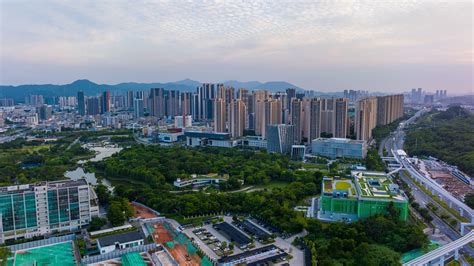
[157,165]
[25,161]
[446,135]
[374,241]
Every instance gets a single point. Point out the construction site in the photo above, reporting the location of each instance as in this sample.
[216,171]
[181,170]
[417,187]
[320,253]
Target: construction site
[177,244]
[142,212]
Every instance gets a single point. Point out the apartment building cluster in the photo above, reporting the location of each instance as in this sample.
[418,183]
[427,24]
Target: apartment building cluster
[374,111]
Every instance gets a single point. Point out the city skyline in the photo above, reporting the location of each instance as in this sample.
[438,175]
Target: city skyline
[384,47]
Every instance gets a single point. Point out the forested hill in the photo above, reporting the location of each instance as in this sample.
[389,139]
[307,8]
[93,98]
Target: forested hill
[447,135]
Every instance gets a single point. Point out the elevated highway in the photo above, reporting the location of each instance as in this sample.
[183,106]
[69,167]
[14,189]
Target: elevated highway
[438,256]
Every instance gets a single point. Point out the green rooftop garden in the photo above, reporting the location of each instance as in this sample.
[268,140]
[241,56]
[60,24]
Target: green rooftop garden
[343,185]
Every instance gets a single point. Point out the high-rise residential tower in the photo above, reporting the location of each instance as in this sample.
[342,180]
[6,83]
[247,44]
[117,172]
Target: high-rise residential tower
[365,118]
[239,115]
[81,103]
[341,122]
[296,119]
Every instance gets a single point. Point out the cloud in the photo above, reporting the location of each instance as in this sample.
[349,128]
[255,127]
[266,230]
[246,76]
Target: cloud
[189,34]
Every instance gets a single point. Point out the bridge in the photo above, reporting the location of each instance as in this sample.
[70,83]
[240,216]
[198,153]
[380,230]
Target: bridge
[437,256]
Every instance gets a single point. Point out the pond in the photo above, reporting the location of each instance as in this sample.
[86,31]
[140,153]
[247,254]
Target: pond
[101,153]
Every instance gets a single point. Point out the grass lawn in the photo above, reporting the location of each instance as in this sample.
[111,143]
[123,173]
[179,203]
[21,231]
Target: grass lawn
[340,185]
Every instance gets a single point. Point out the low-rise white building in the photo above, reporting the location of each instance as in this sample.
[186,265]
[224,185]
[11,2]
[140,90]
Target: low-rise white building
[121,241]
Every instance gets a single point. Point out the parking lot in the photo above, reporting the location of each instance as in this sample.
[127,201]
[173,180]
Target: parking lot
[210,240]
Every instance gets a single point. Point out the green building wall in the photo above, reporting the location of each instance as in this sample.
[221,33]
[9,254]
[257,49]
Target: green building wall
[363,208]
[339,205]
[368,208]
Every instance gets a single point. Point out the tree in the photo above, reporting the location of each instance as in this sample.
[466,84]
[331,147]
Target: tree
[469,200]
[103,194]
[127,208]
[393,213]
[115,213]
[5,253]
[375,255]
[97,223]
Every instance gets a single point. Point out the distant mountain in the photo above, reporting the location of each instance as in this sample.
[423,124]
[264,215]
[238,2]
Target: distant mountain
[277,86]
[90,88]
[251,85]
[188,82]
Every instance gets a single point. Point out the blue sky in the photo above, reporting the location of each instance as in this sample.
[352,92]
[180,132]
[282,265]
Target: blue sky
[324,45]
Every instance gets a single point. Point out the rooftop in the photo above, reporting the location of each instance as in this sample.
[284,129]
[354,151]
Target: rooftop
[339,187]
[120,238]
[376,185]
[339,140]
[55,184]
[56,254]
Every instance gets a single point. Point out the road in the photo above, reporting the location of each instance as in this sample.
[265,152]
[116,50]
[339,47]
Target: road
[395,142]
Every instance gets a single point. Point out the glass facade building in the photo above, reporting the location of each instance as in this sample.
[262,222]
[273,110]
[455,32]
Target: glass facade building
[339,148]
[43,208]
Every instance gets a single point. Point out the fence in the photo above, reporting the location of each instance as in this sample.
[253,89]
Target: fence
[42,242]
[118,253]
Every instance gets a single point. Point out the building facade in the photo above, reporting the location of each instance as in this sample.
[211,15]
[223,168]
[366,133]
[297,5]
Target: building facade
[44,208]
[280,138]
[365,118]
[366,194]
[339,148]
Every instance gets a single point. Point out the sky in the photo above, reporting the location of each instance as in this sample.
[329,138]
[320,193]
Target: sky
[387,46]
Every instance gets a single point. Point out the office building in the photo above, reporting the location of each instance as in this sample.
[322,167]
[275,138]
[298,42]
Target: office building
[254,142]
[45,112]
[339,148]
[93,106]
[366,194]
[298,152]
[81,103]
[105,102]
[214,139]
[44,208]
[183,121]
[130,98]
[365,118]
[280,138]
[138,109]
